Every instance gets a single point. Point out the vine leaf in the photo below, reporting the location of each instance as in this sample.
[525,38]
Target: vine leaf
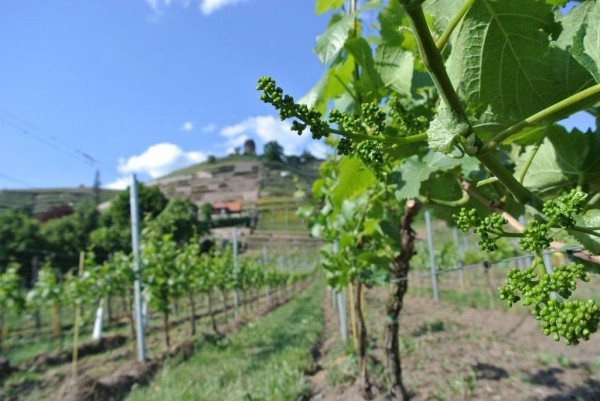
[444,129]
[500,58]
[573,75]
[562,161]
[413,173]
[439,162]
[324,5]
[559,3]
[442,12]
[395,68]
[329,86]
[332,40]
[353,180]
[590,219]
[314,97]
[586,43]
[391,19]
[361,51]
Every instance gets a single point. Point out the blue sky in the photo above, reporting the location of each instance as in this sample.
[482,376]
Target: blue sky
[145,86]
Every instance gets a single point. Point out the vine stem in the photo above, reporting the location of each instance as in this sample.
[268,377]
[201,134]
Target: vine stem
[388,139]
[540,116]
[555,245]
[432,59]
[586,230]
[454,203]
[592,201]
[529,160]
[443,40]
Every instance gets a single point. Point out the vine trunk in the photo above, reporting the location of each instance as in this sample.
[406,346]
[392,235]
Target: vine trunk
[394,303]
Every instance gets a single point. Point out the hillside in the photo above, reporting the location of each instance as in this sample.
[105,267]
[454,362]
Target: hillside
[37,201]
[264,188]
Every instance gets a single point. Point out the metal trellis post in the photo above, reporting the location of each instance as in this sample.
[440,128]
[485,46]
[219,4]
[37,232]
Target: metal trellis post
[434,283]
[135,244]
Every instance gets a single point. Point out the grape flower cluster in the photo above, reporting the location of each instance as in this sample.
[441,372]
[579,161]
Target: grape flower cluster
[288,108]
[535,237]
[355,130]
[407,123]
[489,228]
[572,320]
[564,209]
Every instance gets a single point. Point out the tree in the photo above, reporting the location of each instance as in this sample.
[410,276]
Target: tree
[67,236]
[151,202]
[179,218]
[19,239]
[273,151]
[206,211]
[114,232]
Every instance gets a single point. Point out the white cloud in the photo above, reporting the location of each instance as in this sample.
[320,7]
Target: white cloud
[207,7]
[269,128]
[158,5]
[160,159]
[318,149]
[187,126]
[119,184]
[209,128]
[210,6]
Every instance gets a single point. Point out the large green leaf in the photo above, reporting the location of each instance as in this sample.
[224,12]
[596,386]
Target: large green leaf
[444,129]
[500,58]
[325,5]
[573,76]
[332,40]
[586,43]
[391,19]
[563,160]
[413,173]
[395,68]
[330,86]
[590,242]
[442,12]
[361,51]
[314,97]
[353,180]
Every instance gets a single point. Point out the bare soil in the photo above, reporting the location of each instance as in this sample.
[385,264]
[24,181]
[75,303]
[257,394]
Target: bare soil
[452,353]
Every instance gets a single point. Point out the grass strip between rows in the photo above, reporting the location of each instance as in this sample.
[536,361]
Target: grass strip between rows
[263,361]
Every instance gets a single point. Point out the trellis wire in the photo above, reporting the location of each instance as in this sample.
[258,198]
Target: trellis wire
[484,264]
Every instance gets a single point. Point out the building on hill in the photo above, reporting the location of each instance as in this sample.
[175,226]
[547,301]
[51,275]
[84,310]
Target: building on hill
[227,209]
[250,147]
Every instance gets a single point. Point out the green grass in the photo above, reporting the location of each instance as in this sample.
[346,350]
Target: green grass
[263,361]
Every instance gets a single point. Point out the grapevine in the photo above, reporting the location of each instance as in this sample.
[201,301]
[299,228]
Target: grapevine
[452,122]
